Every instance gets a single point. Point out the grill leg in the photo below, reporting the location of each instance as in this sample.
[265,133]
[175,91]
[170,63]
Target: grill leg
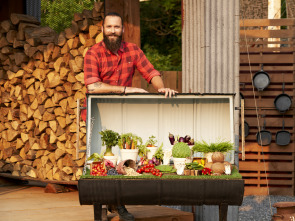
[100,214]
[223,212]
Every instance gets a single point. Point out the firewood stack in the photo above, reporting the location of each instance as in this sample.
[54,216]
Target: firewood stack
[41,77]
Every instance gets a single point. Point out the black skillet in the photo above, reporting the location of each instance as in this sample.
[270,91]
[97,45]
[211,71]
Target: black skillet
[283,101]
[261,79]
[246,128]
[263,137]
[283,137]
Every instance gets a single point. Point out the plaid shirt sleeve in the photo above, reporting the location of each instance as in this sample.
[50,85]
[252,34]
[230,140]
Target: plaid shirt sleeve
[91,68]
[144,66]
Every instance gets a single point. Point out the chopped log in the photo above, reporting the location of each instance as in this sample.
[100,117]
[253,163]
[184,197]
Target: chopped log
[48,51]
[84,25]
[11,35]
[58,64]
[96,15]
[12,135]
[68,170]
[48,116]
[61,39]
[63,105]
[74,52]
[15,158]
[58,96]
[90,42]
[99,38]
[72,31]
[19,143]
[3,57]
[23,153]
[56,53]
[65,49]
[61,121]
[99,6]
[71,77]
[94,30]
[6,50]
[59,153]
[42,97]
[7,25]
[53,79]
[33,41]
[32,173]
[38,56]
[20,57]
[87,13]
[78,17]
[49,103]
[17,18]
[21,30]
[3,42]
[79,61]
[18,44]
[74,67]
[82,38]
[44,34]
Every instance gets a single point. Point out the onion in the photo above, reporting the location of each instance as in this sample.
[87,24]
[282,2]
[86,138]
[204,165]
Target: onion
[217,157]
[218,167]
[151,162]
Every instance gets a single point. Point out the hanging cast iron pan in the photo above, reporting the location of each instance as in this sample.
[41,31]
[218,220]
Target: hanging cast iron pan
[283,137]
[261,79]
[264,137]
[283,101]
[247,128]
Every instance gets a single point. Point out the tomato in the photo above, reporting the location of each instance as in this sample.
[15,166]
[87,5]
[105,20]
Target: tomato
[158,170]
[157,174]
[154,173]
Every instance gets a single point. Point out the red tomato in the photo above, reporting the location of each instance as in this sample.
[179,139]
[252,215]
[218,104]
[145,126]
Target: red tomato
[154,173]
[157,174]
[158,170]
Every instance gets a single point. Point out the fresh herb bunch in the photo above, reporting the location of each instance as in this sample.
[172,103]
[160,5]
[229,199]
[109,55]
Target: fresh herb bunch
[193,166]
[151,142]
[159,153]
[109,138]
[222,146]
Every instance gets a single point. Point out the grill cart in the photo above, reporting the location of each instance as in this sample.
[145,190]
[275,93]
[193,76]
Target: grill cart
[203,116]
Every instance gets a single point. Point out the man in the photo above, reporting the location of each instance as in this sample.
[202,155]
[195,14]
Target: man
[109,67]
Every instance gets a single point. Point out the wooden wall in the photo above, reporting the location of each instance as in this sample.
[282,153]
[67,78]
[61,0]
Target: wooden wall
[273,163]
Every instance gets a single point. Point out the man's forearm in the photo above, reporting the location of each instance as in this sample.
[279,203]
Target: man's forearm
[157,82]
[99,87]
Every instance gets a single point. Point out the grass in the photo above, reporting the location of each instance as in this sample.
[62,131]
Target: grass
[235,175]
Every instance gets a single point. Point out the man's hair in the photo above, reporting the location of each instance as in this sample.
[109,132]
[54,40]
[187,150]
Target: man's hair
[112,14]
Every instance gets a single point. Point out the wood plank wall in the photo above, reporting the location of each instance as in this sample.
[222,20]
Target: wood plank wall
[273,163]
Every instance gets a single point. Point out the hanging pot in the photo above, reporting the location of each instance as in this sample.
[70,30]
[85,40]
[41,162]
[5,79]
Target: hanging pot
[263,137]
[283,137]
[261,79]
[246,128]
[283,101]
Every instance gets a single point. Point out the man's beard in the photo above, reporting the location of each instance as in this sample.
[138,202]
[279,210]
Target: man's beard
[112,45]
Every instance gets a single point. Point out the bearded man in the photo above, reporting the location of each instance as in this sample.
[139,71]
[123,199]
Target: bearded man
[109,67]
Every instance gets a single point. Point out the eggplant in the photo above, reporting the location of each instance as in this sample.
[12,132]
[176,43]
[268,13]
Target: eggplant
[187,138]
[181,139]
[171,138]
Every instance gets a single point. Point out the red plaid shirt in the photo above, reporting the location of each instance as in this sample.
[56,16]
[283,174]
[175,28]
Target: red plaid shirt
[101,65]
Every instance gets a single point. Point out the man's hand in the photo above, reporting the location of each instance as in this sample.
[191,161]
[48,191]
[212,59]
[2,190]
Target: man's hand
[167,91]
[134,90]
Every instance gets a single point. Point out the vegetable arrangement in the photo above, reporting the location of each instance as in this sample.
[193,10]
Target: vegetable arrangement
[187,139]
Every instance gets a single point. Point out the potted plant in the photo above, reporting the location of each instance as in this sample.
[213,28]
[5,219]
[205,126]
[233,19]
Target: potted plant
[151,146]
[110,139]
[129,145]
[193,168]
[159,155]
[209,148]
[180,151]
